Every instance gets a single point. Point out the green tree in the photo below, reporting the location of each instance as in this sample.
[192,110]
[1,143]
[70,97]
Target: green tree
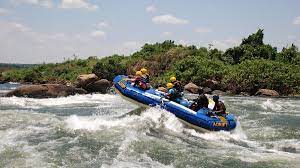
[109,67]
[251,47]
[255,39]
[290,54]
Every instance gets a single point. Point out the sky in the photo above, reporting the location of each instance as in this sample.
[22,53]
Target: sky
[44,31]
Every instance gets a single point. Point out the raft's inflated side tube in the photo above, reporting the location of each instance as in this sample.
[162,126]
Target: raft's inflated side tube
[152,97]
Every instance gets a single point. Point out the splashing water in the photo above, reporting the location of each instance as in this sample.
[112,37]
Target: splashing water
[271,105]
[101,131]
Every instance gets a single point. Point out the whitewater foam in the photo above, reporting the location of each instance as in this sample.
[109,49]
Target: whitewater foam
[269,104]
[96,99]
[150,118]
[237,134]
[107,137]
[94,123]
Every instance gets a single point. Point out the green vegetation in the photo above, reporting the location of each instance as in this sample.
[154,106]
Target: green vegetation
[244,68]
[51,73]
[111,66]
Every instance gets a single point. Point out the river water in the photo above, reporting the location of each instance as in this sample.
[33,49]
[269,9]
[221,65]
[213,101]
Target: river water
[106,131]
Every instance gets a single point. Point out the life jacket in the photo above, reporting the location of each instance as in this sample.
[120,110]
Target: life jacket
[138,82]
[173,94]
[200,102]
[146,78]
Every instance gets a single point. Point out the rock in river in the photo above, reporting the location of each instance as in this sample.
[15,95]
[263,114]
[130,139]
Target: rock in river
[191,87]
[45,91]
[267,92]
[100,86]
[85,79]
[91,83]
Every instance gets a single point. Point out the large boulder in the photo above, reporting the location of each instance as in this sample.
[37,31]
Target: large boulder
[85,79]
[45,91]
[2,80]
[266,92]
[213,84]
[100,86]
[191,87]
[91,83]
[233,88]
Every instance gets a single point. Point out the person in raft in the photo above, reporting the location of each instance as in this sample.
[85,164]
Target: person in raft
[175,96]
[145,77]
[172,93]
[177,84]
[138,81]
[202,106]
[219,107]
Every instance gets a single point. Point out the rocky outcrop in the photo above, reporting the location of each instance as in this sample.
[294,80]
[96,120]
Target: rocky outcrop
[2,81]
[45,91]
[85,79]
[191,87]
[233,88]
[100,86]
[267,92]
[91,83]
[214,85]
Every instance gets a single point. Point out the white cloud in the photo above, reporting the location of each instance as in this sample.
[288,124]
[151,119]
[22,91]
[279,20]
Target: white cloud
[297,21]
[151,9]
[24,45]
[168,19]
[19,27]
[224,44]
[203,30]
[129,47]
[102,24]
[167,34]
[98,33]
[69,4]
[43,3]
[4,11]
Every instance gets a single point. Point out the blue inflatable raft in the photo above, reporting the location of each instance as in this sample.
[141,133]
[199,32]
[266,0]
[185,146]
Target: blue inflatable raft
[189,117]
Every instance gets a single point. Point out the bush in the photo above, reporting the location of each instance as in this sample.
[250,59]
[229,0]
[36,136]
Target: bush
[262,73]
[289,55]
[109,67]
[198,70]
